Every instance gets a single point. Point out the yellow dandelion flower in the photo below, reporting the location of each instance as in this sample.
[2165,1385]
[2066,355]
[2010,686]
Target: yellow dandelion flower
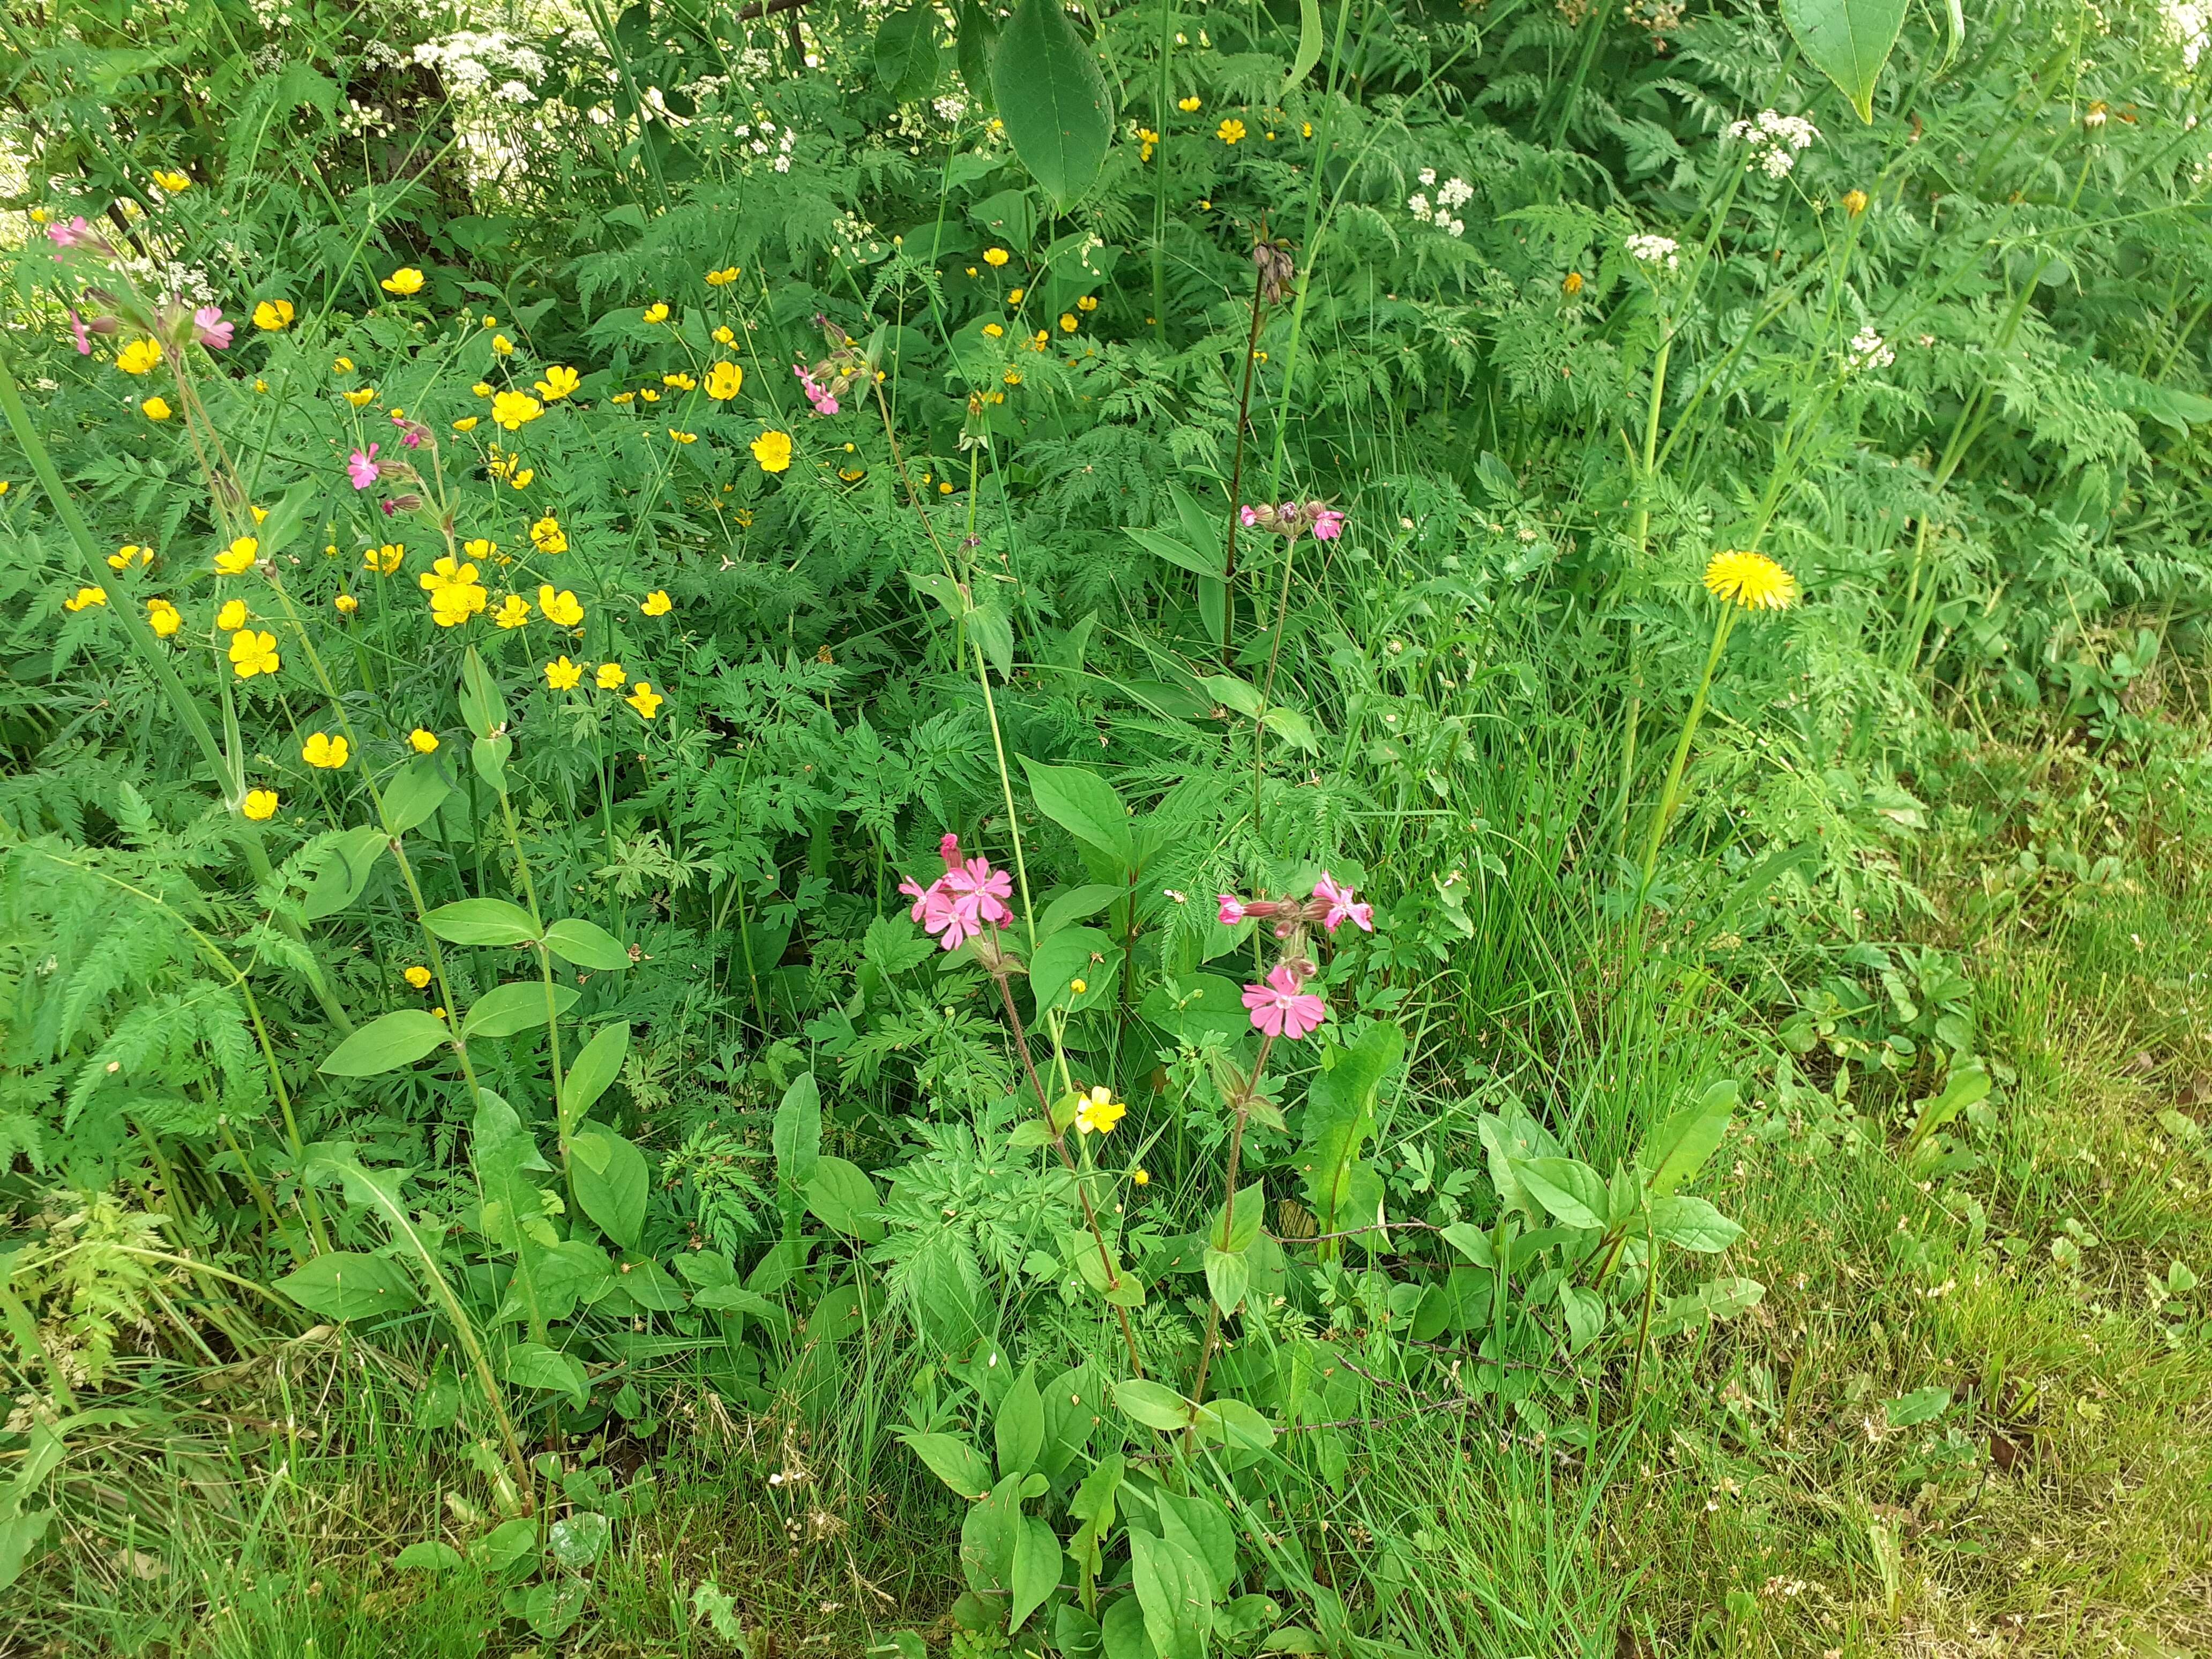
[1752,580]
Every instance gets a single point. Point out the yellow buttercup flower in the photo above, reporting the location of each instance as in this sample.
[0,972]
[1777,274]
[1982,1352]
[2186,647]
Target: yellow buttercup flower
[560,608]
[467,424]
[138,357]
[724,336]
[163,618]
[650,394]
[515,409]
[1752,580]
[547,536]
[503,346]
[172,182]
[154,409]
[1099,1112]
[656,603]
[1088,302]
[513,611]
[252,653]
[521,480]
[343,366]
[1079,986]
[273,315]
[1855,201]
[422,742]
[684,437]
[231,616]
[611,677]
[643,698]
[346,603]
[1187,106]
[325,751]
[484,388]
[656,312]
[1015,298]
[361,397]
[724,380]
[995,257]
[259,805]
[238,557]
[681,382]
[723,277]
[993,331]
[1141,1176]
[1068,322]
[562,674]
[560,381]
[84,596]
[1230,131]
[419,976]
[384,560]
[260,514]
[403,282]
[125,556]
[773,451]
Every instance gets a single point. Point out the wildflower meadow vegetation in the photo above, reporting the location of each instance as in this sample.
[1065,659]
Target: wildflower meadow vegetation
[1340,826]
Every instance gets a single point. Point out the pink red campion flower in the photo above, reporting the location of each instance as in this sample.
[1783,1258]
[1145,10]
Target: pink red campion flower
[83,334]
[1328,524]
[1341,907]
[362,467]
[213,332]
[72,233]
[969,896]
[1280,1008]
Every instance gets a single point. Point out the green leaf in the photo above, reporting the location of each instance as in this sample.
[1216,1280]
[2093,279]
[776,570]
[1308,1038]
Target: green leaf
[346,1285]
[1180,553]
[534,1366]
[1053,100]
[988,1537]
[906,53]
[1569,1190]
[1227,1278]
[586,945]
[1036,1570]
[1691,1223]
[429,1555]
[345,871]
[1677,1148]
[995,636]
[1473,1242]
[516,1006]
[797,1135]
[577,1541]
[1309,44]
[1177,1593]
[1848,41]
[1920,1406]
[954,1461]
[412,794]
[612,1182]
[482,708]
[481,921]
[842,1199]
[1017,1426]
[1085,804]
[978,36]
[1065,958]
[1250,1213]
[387,1044]
[597,1065]
[1152,1404]
[1079,905]
[1339,1118]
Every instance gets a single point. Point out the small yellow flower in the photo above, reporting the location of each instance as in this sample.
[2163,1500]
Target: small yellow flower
[1188,106]
[174,183]
[480,547]
[1855,201]
[560,608]
[1088,302]
[1141,1176]
[684,437]
[238,557]
[437,1013]
[656,603]
[1572,284]
[403,282]
[484,388]
[611,677]
[422,742]
[681,382]
[656,312]
[163,618]
[1752,580]
[622,397]
[490,321]
[547,536]
[467,424]
[724,381]
[343,366]
[252,654]
[991,331]
[560,381]
[361,397]
[1079,986]
[260,384]
[513,611]
[1012,377]
[138,357]
[419,976]
[521,480]
[260,514]
[346,603]
[259,805]
[1099,1112]
[384,560]
[324,751]
[651,394]
[725,336]
[3,486]
[515,409]
[124,556]
[773,451]
[1015,298]
[1068,322]
[84,596]
[1305,130]
[273,315]
[154,409]
[232,617]
[643,698]
[995,257]
[946,487]
[723,277]
[502,345]
[562,674]
[1230,131]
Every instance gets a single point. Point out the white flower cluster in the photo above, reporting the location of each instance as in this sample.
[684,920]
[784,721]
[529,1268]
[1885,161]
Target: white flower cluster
[1775,140]
[950,107]
[759,145]
[1660,253]
[496,63]
[2189,25]
[1868,350]
[174,283]
[1450,194]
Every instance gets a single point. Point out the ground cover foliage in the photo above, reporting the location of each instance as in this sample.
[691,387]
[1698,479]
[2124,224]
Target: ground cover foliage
[1186,830]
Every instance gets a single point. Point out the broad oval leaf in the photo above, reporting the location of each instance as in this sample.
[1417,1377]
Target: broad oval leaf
[481,921]
[534,1366]
[954,1461]
[1569,1190]
[1152,1404]
[387,1044]
[1692,1223]
[1017,1426]
[586,945]
[1082,803]
[906,53]
[346,1285]
[612,1182]
[597,1065]
[517,1005]
[1848,41]
[576,1540]
[1053,100]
